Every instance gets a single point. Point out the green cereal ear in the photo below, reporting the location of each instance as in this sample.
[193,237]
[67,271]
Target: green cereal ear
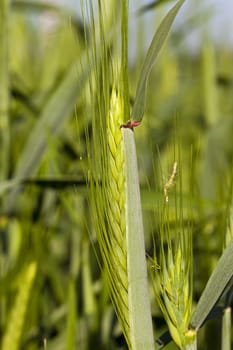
[114,194]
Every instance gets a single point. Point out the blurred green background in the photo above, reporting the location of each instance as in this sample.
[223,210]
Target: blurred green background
[53,294]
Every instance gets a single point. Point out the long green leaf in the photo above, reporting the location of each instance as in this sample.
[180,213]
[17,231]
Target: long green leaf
[71,316]
[153,51]
[124,58]
[14,330]
[51,121]
[216,285]
[226,329]
[4,88]
[152,5]
[141,332]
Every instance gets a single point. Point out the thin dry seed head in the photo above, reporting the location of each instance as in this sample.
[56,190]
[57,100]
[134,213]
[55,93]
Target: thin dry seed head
[170,181]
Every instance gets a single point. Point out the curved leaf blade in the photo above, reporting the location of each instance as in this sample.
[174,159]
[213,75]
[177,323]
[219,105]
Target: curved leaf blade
[51,121]
[152,5]
[152,53]
[215,287]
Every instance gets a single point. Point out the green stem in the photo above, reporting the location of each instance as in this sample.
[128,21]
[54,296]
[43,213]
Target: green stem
[190,342]
[192,346]
[4,89]
[141,331]
[226,329]
[210,98]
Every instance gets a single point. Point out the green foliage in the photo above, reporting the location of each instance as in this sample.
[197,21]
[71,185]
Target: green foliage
[139,302]
[4,88]
[154,49]
[16,319]
[173,262]
[215,287]
[53,293]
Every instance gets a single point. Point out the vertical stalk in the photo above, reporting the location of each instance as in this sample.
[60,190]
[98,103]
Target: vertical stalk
[226,329]
[192,346]
[71,327]
[4,102]
[191,340]
[210,99]
[141,331]
[4,88]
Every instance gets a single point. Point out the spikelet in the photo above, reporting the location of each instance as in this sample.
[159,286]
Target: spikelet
[109,207]
[173,278]
[115,198]
[175,298]
[174,293]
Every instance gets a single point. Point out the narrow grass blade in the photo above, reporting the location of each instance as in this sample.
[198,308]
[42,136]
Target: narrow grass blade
[141,332]
[8,185]
[4,88]
[216,285]
[124,59]
[71,316]
[87,283]
[153,51]
[209,73]
[13,333]
[51,120]
[152,5]
[226,329]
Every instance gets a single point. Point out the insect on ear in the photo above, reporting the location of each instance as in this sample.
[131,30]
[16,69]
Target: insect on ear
[130,124]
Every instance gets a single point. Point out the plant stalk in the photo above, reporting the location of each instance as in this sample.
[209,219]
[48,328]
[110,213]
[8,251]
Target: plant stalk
[191,338]
[4,88]
[226,329]
[141,331]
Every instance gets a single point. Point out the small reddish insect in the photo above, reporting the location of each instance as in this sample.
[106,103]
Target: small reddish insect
[130,124]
